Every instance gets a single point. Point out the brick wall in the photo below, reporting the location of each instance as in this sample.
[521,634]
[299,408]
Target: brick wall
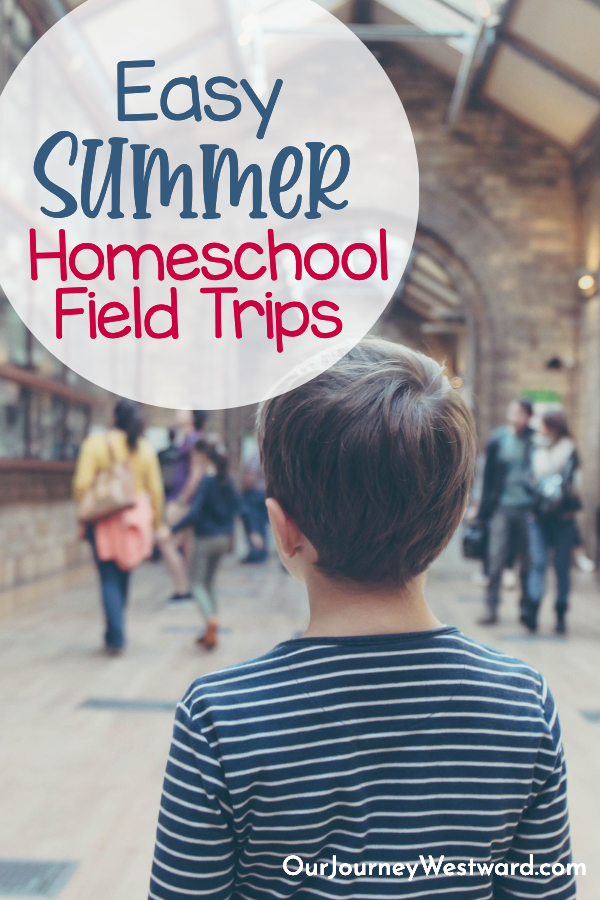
[502,201]
[589,357]
[516,224]
[38,528]
[38,539]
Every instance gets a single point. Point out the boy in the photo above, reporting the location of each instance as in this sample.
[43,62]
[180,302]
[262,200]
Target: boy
[331,765]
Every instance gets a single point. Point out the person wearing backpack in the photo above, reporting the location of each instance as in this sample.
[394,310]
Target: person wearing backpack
[552,526]
[119,495]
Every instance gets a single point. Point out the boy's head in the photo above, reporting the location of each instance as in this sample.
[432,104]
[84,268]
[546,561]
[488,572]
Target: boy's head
[371,463]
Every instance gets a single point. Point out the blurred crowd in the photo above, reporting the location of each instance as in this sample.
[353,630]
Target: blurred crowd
[526,516]
[180,503]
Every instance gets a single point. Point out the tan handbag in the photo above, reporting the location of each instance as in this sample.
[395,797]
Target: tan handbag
[111,491]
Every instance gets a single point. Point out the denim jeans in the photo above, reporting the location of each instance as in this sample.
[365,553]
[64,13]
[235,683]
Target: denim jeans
[114,584]
[256,520]
[554,534]
[507,539]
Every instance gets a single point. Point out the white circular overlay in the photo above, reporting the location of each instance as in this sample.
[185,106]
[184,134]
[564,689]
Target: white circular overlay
[225,189]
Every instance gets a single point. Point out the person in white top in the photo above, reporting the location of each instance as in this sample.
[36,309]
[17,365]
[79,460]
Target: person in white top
[551,526]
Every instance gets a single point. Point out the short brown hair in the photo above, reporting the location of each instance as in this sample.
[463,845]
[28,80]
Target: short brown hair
[556,422]
[373,460]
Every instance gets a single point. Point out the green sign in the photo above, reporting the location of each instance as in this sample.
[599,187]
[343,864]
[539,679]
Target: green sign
[542,396]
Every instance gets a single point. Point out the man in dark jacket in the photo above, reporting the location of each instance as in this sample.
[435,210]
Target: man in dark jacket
[506,501]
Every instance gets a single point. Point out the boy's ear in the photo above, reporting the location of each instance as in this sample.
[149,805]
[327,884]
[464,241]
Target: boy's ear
[288,536]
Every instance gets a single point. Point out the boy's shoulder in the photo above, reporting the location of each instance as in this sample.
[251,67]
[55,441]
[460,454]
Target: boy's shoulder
[502,663]
[484,669]
[232,681]
[523,689]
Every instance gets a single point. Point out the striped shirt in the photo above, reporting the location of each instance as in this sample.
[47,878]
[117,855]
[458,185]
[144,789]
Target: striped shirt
[371,750]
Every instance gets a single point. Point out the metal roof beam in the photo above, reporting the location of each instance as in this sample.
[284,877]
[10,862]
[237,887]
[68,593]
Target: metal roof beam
[503,15]
[456,9]
[397,33]
[467,74]
[403,34]
[449,5]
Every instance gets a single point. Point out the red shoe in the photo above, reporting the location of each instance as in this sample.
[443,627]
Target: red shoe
[209,639]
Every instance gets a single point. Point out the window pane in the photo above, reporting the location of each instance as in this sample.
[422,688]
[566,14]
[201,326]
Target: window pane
[12,421]
[13,336]
[78,420]
[48,426]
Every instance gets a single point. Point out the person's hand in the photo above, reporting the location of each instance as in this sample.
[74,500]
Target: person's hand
[163,533]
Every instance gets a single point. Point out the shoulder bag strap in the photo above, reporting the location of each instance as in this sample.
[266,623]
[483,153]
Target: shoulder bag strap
[111,452]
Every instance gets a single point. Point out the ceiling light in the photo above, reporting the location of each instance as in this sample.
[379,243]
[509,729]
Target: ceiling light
[587,283]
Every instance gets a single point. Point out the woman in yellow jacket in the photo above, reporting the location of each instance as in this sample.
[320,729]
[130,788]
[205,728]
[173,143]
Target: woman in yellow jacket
[125,442]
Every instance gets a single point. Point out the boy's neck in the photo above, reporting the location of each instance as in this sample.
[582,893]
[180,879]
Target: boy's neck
[339,610]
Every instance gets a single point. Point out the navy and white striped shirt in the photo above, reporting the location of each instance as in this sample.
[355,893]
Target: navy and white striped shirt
[373,750]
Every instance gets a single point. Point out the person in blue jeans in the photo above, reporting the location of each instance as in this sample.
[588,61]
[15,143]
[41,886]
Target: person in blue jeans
[506,503]
[125,443]
[552,526]
[114,583]
[253,507]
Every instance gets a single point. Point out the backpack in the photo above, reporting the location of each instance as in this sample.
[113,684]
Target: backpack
[554,495]
[111,491]
[475,541]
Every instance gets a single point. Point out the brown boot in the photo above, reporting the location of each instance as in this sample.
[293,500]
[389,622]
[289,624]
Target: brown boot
[209,639]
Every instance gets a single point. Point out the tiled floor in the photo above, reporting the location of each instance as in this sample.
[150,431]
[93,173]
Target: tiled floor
[80,774]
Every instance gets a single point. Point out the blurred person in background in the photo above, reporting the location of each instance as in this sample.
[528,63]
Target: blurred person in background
[506,501]
[211,515]
[169,460]
[184,478]
[121,541]
[552,527]
[186,474]
[253,504]
[583,562]
[509,576]
[170,467]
